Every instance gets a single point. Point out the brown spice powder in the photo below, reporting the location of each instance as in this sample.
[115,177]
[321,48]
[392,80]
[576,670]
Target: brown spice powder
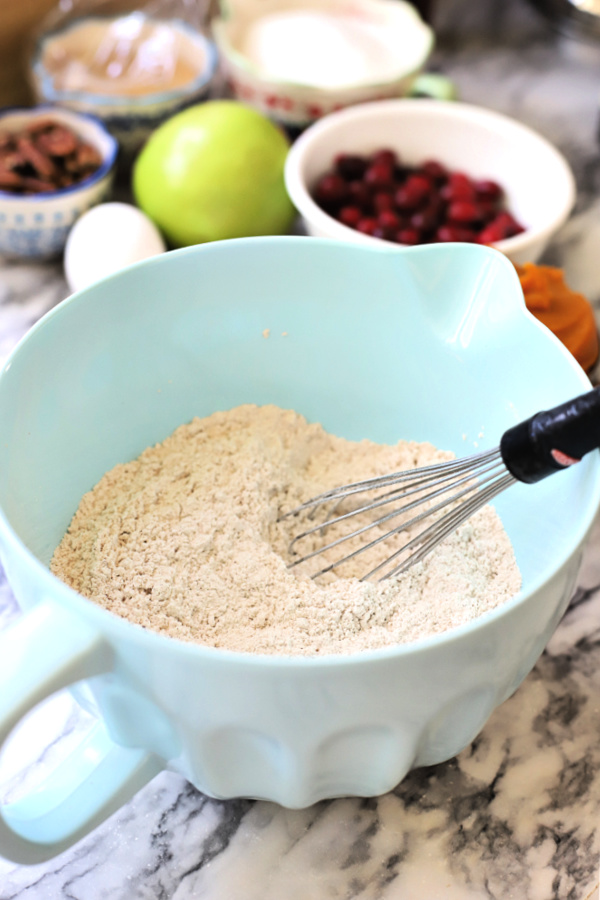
[184,540]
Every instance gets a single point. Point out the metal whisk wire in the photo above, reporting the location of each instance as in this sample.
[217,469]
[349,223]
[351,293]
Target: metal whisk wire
[459,478]
[546,443]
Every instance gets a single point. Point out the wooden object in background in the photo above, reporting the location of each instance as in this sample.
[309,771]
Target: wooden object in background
[18,18]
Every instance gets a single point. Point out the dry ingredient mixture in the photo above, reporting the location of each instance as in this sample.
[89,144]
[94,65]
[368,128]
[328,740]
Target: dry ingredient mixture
[184,540]
[334,48]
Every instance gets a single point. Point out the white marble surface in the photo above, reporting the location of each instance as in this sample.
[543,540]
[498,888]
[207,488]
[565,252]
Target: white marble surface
[517,814]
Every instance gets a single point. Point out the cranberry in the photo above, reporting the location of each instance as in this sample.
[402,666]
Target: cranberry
[413,192]
[434,170]
[408,236]
[360,194]
[447,233]
[404,200]
[509,223]
[458,187]
[387,157]
[437,207]
[503,226]
[385,234]
[379,175]
[350,166]
[503,219]
[383,200]
[489,235]
[488,190]
[464,211]
[367,226]
[419,184]
[461,182]
[331,190]
[350,215]
[489,209]
[425,219]
[380,196]
[390,220]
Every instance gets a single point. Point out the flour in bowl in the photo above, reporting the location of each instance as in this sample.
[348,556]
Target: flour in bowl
[185,540]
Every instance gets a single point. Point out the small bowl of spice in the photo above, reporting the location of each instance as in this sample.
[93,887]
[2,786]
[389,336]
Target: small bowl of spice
[408,172]
[299,60]
[54,165]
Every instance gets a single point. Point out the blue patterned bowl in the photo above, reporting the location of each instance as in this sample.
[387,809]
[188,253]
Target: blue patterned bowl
[130,119]
[36,226]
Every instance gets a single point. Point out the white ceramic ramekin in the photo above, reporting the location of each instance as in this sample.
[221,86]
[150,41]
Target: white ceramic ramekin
[537,180]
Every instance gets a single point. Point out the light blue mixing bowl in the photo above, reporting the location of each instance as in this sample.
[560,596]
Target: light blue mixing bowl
[431,343]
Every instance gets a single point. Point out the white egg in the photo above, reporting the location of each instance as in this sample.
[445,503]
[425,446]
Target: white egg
[107,238]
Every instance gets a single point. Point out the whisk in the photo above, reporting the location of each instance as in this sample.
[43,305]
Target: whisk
[449,493]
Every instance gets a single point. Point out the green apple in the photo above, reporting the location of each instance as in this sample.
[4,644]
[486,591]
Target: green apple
[214,171]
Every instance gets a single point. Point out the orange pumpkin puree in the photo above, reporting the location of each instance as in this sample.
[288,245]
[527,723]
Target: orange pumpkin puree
[565,312]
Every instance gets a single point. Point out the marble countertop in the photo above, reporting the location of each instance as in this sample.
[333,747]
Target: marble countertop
[517,814]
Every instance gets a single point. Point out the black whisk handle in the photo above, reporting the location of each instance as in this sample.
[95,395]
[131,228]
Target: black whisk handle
[554,439]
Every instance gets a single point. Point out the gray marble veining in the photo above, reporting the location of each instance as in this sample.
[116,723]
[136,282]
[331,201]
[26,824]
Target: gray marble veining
[517,814]
[26,293]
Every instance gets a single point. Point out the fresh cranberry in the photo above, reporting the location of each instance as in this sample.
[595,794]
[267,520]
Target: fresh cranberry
[434,170]
[488,190]
[460,181]
[408,236]
[360,194]
[464,212]
[350,166]
[387,157]
[350,215]
[425,219]
[448,233]
[384,234]
[404,200]
[383,200]
[331,190]
[489,209]
[379,195]
[390,220]
[503,226]
[379,175]
[503,219]
[367,226]
[508,222]
[419,184]
[458,187]
[413,192]
[437,207]
[490,234]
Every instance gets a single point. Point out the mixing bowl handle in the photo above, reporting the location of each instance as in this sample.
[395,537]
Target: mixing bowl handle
[44,651]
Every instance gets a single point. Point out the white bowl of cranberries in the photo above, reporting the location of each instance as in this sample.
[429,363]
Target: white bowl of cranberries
[406,172]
